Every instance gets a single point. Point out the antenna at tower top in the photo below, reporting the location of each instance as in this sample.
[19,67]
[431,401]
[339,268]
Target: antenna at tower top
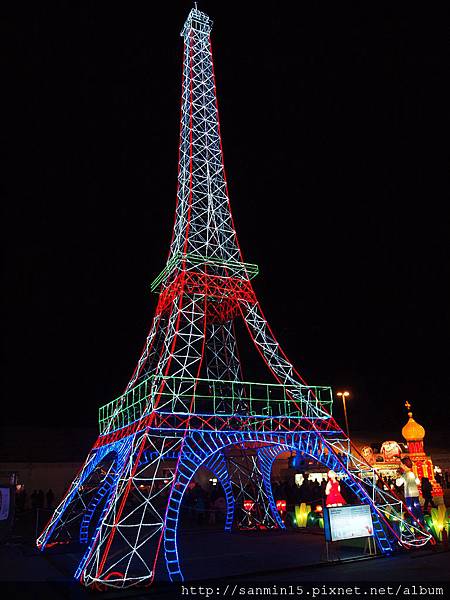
[197,20]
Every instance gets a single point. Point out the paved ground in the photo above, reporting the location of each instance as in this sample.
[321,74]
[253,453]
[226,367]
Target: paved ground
[270,557]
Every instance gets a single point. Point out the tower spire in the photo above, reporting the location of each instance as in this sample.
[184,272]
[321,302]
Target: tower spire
[203,222]
[197,19]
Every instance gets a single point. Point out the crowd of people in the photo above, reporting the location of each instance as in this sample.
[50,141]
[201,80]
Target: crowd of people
[310,492]
[38,499]
[208,506]
[443,479]
[425,486]
[406,486]
[204,506]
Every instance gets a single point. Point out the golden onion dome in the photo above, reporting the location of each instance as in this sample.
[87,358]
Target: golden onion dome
[412,431]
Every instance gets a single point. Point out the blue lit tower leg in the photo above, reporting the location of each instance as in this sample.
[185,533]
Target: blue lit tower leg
[196,450]
[72,517]
[101,496]
[125,548]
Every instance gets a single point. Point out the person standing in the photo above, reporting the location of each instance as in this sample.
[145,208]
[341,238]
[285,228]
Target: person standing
[40,499]
[34,499]
[410,489]
[427,489]
[50,496]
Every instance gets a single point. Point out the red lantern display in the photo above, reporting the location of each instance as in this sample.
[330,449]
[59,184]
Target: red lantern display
[281,505]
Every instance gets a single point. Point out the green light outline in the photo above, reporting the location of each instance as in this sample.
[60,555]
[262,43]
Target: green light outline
[133,402]
[250,269]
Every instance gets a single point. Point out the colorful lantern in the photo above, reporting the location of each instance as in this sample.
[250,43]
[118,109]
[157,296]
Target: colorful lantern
[390,450]
[301,514]
[312,519]
[368,455]
[438,521]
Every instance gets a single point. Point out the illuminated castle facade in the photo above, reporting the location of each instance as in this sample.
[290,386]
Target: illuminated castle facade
[386,461]
[414,435]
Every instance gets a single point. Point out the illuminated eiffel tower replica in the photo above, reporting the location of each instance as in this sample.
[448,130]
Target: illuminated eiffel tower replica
[187,405]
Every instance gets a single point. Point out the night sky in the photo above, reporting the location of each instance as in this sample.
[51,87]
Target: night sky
[331,117]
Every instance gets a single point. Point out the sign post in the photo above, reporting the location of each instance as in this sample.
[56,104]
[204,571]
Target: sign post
[5,502]
[6,510]
[349,522]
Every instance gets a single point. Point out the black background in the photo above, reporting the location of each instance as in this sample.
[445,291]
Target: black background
[332,122]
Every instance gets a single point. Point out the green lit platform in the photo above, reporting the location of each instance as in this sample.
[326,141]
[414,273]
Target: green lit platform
[206,397]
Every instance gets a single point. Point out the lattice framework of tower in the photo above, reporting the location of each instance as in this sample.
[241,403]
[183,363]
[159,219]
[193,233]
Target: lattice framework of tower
[187,404]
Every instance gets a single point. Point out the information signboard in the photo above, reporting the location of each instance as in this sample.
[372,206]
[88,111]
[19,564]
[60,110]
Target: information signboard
[4,503]
[347,522]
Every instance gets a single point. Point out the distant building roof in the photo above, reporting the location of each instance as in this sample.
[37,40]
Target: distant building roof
[45,444]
